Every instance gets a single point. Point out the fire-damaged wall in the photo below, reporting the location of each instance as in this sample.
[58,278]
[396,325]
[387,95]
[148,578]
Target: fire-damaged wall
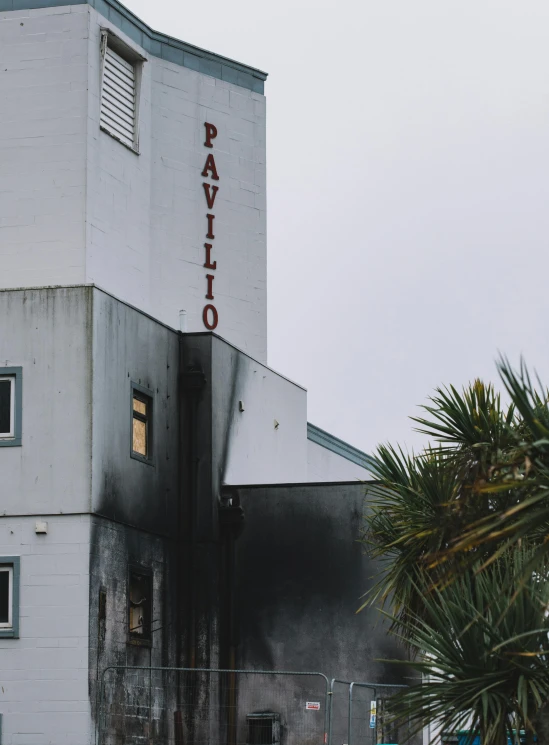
[252,577]
[181,568]
[300,572]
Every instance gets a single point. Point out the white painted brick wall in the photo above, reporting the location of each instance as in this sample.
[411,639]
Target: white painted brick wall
[44,674]
[147,213]
[43,81]
[77,206]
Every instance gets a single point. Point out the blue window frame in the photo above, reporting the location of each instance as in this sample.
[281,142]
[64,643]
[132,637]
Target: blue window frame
[10,570]
[11,406]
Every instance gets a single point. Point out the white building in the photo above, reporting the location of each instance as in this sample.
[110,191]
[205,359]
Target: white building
[132,187]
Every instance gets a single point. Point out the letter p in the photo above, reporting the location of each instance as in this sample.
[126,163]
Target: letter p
[211,133]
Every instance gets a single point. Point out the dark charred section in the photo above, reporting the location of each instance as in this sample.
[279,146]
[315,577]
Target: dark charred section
[253,577]
[300,573]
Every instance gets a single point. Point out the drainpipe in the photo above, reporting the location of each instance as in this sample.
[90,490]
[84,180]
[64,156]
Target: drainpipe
[192,384]
[231,523]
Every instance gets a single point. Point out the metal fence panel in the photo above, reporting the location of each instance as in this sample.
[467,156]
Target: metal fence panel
[339,712]
[361,714]
[183,706]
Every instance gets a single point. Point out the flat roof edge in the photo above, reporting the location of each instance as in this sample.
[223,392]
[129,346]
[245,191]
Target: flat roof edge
[158,44]
[299,484]
[339,447]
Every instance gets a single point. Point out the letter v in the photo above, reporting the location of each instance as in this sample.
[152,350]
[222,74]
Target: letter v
[210,198]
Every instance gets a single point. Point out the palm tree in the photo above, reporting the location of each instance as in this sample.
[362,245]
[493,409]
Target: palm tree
[481,644]
[423,503]
[461,533]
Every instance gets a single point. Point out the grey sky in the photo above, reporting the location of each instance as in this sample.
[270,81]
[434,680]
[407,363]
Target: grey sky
[408,192]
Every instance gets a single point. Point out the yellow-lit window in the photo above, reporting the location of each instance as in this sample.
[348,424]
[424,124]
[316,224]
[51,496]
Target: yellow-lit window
[141,425]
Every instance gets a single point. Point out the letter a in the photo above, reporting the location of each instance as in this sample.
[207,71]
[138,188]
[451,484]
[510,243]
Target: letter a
[210,166]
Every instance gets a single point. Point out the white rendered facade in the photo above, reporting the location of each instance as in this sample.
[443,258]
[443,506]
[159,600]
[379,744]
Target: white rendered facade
[79,208]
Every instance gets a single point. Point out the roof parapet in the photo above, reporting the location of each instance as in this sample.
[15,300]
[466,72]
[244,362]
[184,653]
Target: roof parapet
[158,44]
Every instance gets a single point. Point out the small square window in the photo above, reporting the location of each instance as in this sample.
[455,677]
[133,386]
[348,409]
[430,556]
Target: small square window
[139,605]
[9,596]
[263,729]
[142,421]
[11,382]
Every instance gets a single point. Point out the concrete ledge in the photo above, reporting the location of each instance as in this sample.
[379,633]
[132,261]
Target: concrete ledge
[158,44]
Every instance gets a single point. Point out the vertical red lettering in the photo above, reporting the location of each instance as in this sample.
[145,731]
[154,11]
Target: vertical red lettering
[211,133]
[210,317]
[211,219]
[208,264]
[210,195]
[210,325]
[210,166]
[209,294]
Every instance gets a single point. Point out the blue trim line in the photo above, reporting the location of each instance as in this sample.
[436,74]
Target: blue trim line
[158,44]
[15,441]
[328,441]
[15,562]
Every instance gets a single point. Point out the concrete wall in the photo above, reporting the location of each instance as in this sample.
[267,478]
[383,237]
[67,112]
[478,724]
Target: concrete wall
[301,573]
[114,547]
[325,465]
[299,570]
[44,674]
[267,441]
[47,333]
[128,346]
[43,124]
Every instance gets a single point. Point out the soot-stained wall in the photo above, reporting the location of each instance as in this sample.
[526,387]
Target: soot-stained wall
[259,421]
[114,548]
[130,347]
[300,572]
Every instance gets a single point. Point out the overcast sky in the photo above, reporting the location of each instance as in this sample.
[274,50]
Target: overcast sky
[408,192]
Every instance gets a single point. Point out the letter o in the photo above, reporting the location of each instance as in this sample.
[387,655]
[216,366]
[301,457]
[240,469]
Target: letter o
[215,319]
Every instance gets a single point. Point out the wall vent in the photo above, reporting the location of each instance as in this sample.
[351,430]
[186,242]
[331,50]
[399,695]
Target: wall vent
[119,98]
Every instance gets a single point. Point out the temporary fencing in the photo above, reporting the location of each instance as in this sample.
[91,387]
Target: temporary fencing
[188,706]
[361,714]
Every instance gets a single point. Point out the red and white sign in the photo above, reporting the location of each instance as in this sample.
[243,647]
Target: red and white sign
[312,705]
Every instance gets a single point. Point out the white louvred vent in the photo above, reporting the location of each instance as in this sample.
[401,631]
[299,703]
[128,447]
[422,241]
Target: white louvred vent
[118,97]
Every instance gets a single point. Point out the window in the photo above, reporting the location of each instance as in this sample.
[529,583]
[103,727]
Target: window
[120,87]
[139,605]
[263,729]
[9,596]
[142,429]
[11,382]
[7,413]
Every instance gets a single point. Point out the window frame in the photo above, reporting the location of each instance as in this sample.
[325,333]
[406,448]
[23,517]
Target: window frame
[148,394]
[132,57]
[13,565]
[14,438]
[140,640]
